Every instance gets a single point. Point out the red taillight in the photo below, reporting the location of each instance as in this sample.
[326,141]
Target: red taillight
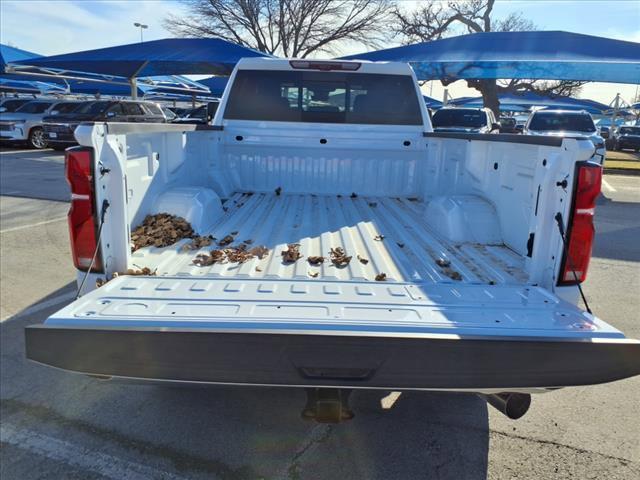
[324,66]
[82,214]
[580,231]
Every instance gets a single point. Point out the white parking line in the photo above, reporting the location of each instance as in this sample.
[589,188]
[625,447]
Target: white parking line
[29,150]
[31,225]
[606,185]
[79,456]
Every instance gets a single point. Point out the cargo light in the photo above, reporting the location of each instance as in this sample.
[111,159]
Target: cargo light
[82,215]
[581,231]
[324,66]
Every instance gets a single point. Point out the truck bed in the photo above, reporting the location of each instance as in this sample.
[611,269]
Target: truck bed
[389,234]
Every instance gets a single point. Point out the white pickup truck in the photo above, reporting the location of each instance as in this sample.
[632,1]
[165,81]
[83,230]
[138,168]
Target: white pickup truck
[459,278]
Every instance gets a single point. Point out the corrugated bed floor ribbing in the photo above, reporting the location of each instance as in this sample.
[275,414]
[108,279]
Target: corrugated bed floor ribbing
[390,233]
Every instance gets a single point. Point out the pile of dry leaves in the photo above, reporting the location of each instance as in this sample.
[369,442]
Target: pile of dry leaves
[160,230]
[239,254]
[131,271]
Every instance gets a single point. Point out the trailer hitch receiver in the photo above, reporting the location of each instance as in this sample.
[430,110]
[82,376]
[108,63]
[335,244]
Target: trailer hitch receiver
[327,405]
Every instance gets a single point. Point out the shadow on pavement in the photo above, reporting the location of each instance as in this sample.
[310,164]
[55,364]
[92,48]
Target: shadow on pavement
[616,237]
[33,174]
[241,432]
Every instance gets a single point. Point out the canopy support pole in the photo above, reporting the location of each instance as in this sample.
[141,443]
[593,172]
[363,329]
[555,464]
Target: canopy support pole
[134,88]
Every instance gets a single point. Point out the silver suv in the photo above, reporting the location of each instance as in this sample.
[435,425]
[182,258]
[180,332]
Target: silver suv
[25,124]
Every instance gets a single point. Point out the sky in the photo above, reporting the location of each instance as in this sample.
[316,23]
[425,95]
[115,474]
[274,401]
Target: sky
[62,26]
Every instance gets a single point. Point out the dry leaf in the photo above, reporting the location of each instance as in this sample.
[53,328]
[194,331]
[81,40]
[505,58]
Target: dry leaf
[441,262]
[451,273]
[315,260]
[363,260]
[339,257]
[379,238]
[198,242]
[292,253]
[227,240]
[381,277]
[278,191]
[260,251]
[313,274]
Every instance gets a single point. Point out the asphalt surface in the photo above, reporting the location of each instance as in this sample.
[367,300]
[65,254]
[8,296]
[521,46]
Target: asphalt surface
[60,425]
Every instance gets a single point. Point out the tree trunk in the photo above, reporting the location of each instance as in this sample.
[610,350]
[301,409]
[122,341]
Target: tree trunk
[489,90]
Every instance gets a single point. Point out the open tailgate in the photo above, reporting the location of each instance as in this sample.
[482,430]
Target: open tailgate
[344,334]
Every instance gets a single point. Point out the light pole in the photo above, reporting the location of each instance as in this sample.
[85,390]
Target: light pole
[141,26]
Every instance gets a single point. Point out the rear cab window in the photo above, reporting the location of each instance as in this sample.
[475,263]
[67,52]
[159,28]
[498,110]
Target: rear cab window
[323,97]
[629,130]
[459,118]
[562,121]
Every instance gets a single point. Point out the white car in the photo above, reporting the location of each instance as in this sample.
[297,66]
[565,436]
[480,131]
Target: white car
[25,124]
[567,123]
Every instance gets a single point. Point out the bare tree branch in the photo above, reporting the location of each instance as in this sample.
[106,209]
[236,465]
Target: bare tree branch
[433,20]
[292,28]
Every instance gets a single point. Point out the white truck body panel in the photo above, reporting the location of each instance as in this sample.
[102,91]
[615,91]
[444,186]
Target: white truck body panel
[399,197]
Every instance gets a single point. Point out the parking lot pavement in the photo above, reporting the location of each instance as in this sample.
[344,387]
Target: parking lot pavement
[61,425]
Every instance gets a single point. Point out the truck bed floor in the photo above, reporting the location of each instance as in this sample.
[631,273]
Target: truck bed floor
[383,235]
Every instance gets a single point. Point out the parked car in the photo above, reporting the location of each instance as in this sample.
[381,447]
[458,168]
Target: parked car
[508,125]
[330,246]
[627,137]
[470,120]
[59,129]
[10,105]
[169,114]
[201,115]
[181,111]
[566,123]
[25,124]
[604,131]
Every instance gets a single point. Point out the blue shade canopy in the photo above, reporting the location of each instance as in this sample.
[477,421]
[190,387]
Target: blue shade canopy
[432,102]
[12,54]
[531,55]
[216,84]
[172,56]
[519,101]
[29,86]
[163,84]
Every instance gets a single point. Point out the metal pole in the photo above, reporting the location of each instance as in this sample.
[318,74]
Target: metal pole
[134,88]
[616,106]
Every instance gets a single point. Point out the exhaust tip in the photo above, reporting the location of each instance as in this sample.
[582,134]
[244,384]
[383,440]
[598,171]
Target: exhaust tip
[512,405]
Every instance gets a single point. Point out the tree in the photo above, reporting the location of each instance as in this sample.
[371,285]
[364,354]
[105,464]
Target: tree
[291,28]
[435,20]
